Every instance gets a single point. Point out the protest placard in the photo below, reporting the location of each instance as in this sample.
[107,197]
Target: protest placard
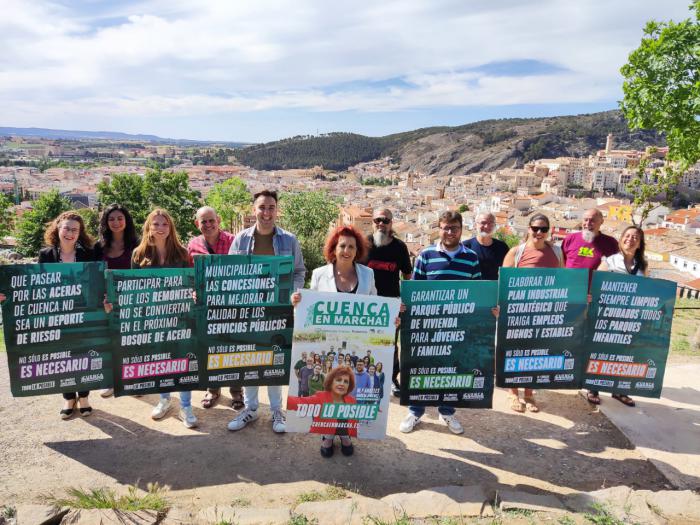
[153,330]
[245,322]
[629,330]
[540,327]
[447,343]
[56,328]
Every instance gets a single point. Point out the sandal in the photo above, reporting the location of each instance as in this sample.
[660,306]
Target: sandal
[530,405]
[326,449]
[210,399]
[66,413]
[593,399]
[237,400]
[516,405]
[625,400]
[84,411]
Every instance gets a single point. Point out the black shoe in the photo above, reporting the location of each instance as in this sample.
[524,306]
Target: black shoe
[396,390]
[85,411]
[327,452]
[347,450]
[66,413]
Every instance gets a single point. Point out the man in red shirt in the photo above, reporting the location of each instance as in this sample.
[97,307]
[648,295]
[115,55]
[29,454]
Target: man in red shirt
[585,249]
[213,241]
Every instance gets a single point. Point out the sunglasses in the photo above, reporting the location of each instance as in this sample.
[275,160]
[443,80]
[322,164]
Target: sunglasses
[542,229]
[381,220]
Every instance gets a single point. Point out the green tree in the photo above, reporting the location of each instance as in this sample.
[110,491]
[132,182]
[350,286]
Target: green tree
[462,208]
[308,215]
[92,221]
[662,92]
[172,191]
[231,199]
[126,189]
[155,189]
[31,227]
[6,215]
[511,239]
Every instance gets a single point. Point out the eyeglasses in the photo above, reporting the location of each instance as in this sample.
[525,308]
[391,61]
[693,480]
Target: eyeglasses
[448,229]
[542,229]
[381,220]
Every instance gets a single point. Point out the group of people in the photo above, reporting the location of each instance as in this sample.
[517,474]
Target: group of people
[371,265]
[311,369]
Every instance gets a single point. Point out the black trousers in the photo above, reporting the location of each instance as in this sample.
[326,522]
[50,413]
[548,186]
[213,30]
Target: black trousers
[71,395]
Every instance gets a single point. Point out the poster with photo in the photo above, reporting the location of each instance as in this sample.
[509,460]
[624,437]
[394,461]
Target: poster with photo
[55,328]
[629,332]
[342,357]
[153,330]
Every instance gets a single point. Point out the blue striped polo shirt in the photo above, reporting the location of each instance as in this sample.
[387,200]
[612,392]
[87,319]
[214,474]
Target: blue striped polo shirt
[433,264]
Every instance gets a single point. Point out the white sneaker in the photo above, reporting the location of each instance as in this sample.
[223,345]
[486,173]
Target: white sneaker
[408,423]
[188,418]
[245,417]
[279,423]
[161,408]
[452,423]
[107,392]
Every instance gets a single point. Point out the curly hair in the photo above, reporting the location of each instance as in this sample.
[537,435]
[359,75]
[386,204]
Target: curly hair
[130,238]
[339,371]
[344,231]
[145,254]
[51,233]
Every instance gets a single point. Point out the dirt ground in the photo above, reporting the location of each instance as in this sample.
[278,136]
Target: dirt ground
[567,447]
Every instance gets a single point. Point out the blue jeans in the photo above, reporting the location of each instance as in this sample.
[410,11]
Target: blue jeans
[274,392]
[185,398]
[418,411]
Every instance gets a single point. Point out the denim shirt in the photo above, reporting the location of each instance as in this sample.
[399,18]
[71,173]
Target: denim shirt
[283,242]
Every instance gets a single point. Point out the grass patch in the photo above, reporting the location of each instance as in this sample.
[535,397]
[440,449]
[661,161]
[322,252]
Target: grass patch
[2,339]
[103,498]
[400,520]
[566,520]
[299,519]
[602,516]
[685,324]
[8,512]
[330,493]
[241,502]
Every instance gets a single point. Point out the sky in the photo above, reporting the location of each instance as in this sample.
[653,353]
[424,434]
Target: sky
[255,71]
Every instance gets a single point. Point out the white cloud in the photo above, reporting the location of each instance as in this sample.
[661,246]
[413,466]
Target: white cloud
[182,58]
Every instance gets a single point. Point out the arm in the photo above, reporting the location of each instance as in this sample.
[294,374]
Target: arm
[419,270]
[235,248]
[604,265]
[299,267]
[509,261]
[405,264]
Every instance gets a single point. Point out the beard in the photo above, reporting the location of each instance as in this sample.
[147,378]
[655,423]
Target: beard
[588,235]
[484,235]
[381,238]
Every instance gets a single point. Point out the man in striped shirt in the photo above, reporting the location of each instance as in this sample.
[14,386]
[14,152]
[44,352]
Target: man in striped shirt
[448,260]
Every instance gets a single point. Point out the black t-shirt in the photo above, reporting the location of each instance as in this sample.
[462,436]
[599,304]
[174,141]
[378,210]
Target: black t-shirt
[387,261]
[490,257]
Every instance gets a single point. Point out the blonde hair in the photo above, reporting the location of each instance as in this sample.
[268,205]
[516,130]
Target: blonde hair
[145,254]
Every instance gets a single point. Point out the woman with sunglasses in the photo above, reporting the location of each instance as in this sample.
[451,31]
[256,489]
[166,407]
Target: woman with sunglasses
[535,252]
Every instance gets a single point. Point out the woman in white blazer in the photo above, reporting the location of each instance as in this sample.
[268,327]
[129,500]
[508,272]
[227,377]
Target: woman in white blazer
[344,246]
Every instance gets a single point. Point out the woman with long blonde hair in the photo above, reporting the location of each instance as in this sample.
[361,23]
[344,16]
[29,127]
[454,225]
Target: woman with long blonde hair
[160,247]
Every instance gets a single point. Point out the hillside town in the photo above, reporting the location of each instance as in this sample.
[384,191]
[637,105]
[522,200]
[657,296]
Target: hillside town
[562,188]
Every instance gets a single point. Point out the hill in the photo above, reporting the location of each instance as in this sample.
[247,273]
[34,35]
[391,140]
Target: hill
[479,146]
[103,135]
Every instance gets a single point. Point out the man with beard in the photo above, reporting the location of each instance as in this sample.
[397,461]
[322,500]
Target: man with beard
[388,257]
[448,260]
[490,251]
[585,249]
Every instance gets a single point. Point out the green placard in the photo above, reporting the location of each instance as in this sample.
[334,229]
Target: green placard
[447,343]
[153,330]
[540,327]
[629,331]
[56,328]
[245,319]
